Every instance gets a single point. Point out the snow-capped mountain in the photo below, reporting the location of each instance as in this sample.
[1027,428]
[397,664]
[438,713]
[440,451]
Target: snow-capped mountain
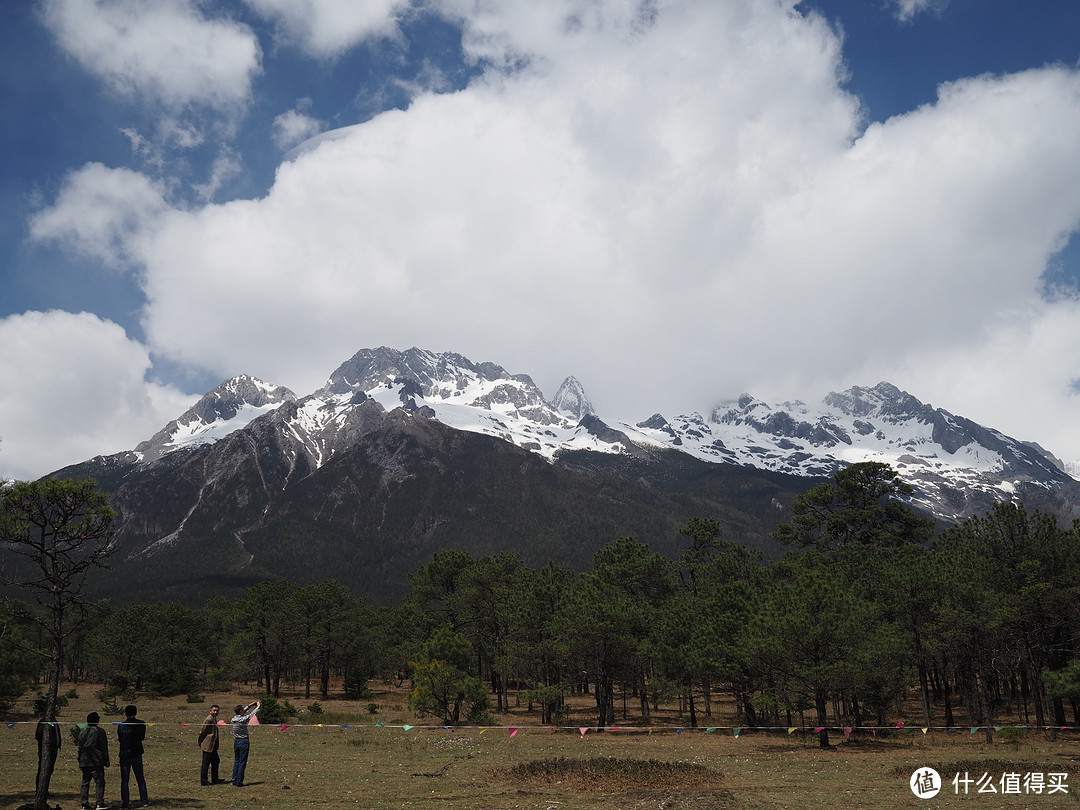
[228,407]
[401,455]
[956,466]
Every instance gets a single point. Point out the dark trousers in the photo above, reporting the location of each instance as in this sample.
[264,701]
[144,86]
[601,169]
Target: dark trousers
[96,773]
[208,774]
[240,757]
[132,765]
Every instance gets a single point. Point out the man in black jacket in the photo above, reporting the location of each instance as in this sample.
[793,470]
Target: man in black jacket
[130,734]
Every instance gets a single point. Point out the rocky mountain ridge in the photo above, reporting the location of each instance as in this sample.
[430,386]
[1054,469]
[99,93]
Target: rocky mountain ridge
[957,466]
[404,454]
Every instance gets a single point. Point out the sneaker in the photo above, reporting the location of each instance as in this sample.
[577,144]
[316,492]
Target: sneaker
[102,807]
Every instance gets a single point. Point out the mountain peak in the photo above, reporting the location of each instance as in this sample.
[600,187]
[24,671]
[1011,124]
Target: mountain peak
[956,465]
[226,407]
[571,398]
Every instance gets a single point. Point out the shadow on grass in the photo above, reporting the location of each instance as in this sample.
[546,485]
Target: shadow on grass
[19,801]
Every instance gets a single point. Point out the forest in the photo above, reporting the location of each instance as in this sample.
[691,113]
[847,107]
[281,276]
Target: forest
[870,611]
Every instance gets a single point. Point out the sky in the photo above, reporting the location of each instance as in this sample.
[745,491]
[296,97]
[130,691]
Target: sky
[674,201]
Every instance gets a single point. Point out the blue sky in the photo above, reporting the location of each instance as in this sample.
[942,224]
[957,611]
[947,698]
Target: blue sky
[673,201]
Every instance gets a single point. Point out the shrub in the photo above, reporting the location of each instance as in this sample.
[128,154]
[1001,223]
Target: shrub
[357,689]
[275,711]
[41,700]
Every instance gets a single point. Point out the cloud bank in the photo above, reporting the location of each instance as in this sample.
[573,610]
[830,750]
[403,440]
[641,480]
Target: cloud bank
[165,51]
[674,202]
[82,392]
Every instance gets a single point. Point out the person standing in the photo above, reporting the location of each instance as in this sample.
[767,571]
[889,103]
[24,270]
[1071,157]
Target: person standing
[241,743]
[93,760]
[130,734]
[208,742]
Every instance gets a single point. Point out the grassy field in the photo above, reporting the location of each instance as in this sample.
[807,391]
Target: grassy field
[369,766]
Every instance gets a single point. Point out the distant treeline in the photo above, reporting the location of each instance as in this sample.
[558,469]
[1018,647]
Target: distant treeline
[980,624]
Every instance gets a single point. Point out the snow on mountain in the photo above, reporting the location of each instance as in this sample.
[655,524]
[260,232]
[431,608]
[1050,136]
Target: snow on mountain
[937,452]
[571,399]
[230,406]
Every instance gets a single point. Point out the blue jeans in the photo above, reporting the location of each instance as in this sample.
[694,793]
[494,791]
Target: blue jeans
[128,766]
[240,755]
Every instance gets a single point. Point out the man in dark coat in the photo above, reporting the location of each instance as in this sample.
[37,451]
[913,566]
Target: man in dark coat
[130,734]
[93,760]
[208,742]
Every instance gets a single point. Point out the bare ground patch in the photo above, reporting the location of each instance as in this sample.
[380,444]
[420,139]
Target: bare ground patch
[613,774]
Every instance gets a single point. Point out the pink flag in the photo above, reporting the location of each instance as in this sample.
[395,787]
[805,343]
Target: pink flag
[847,732]
[254,721]
[583,729]
[513,731]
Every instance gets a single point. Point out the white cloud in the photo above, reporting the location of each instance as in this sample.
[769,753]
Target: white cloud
[162,50]
[673,207]
[295,126]
[907,10]
[74,388]
[226,166]
[326,28]
[102,213]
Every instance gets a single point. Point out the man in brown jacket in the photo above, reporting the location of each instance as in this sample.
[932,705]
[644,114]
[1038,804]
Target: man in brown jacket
[208,742]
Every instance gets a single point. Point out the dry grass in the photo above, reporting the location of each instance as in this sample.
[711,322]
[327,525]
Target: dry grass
[367,766]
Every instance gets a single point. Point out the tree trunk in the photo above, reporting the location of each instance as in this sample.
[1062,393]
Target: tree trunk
[56,671]
[690,701]
[643,694]
[823,718]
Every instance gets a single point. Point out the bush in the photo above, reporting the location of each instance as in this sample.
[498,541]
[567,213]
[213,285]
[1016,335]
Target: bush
[315,709]
[275,711]
[357,690]
[196,698]
[41,700]
[108,696]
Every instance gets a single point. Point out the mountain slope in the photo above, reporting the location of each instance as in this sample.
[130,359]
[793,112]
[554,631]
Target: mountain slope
[252,506]
[401,454]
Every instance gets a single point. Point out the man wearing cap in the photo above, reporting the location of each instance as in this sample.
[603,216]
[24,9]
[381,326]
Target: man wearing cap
[93,760]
